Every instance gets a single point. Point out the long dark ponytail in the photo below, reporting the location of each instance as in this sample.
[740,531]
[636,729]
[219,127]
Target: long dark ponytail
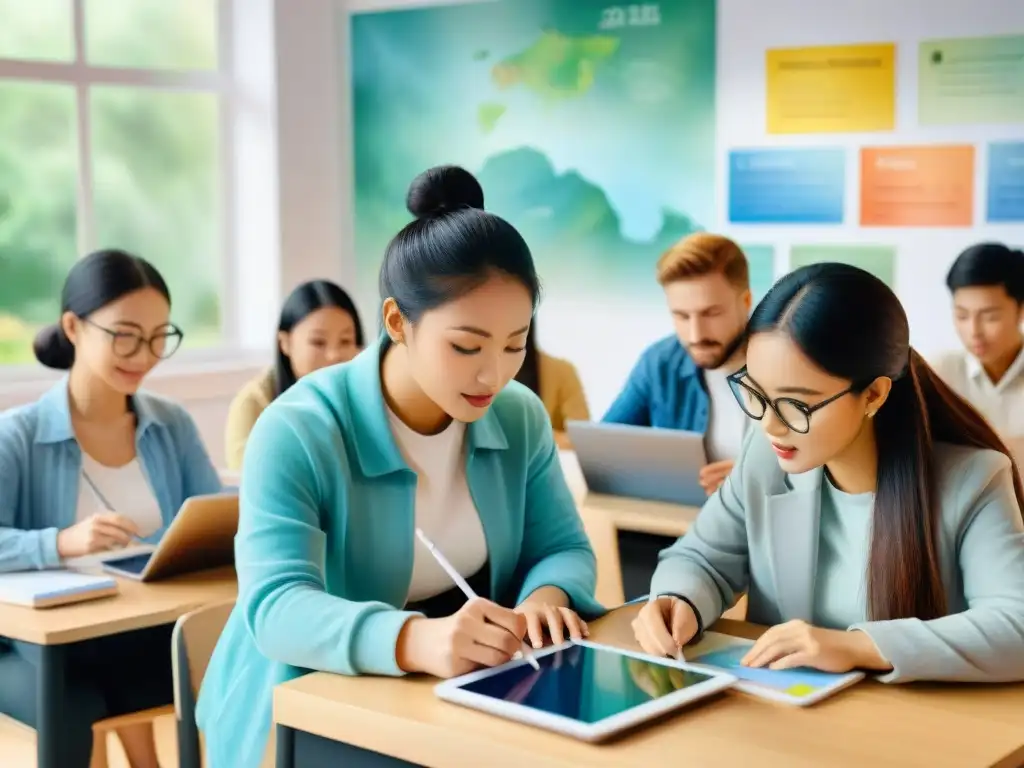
[853,326]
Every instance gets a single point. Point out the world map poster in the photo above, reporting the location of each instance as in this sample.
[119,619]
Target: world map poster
[590,126]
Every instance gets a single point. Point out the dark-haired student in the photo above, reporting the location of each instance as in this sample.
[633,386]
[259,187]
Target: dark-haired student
[987,285]
[426,428]
[874,519]
[142,454]
[319,326]
[557,384]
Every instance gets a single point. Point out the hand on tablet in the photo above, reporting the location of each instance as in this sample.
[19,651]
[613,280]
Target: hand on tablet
[481,634]
[798,644]
[98,533]
[713,475]
[664,626]
[556,619]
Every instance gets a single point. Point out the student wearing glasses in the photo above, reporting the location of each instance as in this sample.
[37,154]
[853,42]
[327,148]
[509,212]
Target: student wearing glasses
[424,429]
[91,466]
[874,520]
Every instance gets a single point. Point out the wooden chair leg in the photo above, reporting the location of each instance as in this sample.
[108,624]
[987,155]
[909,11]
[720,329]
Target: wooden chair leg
[99,749]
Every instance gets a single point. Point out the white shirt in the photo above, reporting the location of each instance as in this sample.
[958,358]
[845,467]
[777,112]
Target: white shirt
[125,488]
[1001,404]
[444,508]
[727,423]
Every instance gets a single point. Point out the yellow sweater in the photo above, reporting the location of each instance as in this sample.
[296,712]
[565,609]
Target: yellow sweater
[561,392]
[245,409]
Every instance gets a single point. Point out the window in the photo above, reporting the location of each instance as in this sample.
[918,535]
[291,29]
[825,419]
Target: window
[112,118]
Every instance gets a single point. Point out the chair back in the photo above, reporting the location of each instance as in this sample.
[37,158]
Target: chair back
[192,642]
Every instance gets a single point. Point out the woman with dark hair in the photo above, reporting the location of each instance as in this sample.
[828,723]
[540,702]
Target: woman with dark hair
[557,384]
[875,518]
[319,326]
[91,467]
[427,430]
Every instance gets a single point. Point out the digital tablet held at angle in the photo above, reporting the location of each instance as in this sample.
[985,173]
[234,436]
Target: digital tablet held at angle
[799,687]
[640,462]
[201,536]
[584,690]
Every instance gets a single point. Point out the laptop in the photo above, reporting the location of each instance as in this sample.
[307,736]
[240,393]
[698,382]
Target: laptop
[640,462]
[201,536]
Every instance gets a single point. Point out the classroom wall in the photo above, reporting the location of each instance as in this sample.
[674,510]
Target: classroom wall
[603,327]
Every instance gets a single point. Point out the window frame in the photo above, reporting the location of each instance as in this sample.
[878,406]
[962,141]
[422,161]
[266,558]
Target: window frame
[82,76]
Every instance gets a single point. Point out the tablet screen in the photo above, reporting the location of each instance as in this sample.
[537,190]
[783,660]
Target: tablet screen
[585,684]
[131,564]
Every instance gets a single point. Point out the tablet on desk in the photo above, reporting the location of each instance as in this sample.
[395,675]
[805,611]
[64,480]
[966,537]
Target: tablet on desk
[584,690]
[640,462]
[800,687]
[201,536]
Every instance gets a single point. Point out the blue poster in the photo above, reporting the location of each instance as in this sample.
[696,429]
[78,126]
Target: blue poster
[1006,182]
[787,186]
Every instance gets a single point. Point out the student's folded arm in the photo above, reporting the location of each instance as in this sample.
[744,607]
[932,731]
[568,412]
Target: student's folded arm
[19,550]
[984,643]
[201,476]
[556,551]
[279,555]
[709,565]
[633,405]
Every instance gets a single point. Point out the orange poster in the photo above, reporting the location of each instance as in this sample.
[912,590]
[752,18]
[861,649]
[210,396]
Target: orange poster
[917,186]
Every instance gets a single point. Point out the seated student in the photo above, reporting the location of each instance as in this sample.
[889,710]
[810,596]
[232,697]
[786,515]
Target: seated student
[987,284]
[680,381]
[424,429]
[96,440]
[319,326]
[876,522]
[557,384]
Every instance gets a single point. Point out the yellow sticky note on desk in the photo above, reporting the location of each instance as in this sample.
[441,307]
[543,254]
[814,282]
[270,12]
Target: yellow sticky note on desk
[800,689]
[831,89]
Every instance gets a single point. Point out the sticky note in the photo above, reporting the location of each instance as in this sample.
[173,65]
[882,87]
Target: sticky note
[831,89]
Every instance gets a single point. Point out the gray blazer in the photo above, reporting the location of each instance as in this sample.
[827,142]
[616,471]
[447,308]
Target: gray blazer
[759,534]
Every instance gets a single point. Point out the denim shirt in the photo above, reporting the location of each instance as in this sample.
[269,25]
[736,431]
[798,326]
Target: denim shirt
[665,389]
[41,462]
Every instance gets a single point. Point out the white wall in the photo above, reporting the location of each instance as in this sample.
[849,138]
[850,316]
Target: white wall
[748,27]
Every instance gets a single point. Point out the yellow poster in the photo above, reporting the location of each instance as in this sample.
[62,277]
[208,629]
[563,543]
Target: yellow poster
[831,89]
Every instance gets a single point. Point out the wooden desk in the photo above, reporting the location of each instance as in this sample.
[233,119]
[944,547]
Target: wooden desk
[327,719]
[137,606]
[604,516]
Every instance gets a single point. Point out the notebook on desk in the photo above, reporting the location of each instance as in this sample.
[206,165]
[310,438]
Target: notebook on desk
[48,589]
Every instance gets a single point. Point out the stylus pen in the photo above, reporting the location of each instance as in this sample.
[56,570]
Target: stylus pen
[467,590]
[96,492]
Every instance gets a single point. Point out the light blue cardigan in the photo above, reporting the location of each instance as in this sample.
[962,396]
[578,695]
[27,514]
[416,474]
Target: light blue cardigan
[40,465]
[325,542]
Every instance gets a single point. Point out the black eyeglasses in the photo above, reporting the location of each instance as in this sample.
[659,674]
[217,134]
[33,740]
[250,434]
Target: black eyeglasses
[162,344]
[795,414]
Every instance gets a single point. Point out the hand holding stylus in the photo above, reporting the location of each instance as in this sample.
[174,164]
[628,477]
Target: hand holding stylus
[480,634]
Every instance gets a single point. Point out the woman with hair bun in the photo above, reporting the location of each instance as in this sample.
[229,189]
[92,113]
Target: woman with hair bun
[94,465]
[425,429]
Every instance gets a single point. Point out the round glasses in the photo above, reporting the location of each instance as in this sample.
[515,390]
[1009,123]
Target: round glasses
[795,414]
[162,344]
